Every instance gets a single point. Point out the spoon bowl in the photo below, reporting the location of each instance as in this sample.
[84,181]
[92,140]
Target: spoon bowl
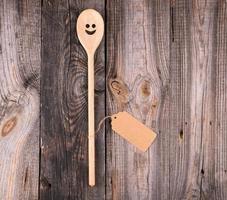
[90,30]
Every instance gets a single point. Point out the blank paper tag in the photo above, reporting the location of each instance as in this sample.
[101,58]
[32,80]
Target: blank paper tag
[132,130]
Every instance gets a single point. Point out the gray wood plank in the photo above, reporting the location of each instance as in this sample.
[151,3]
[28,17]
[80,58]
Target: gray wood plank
[64,160]
[182,158]
[192,95]
[203,40]
[188,159]
[19,98]
[219,157]
[137,76]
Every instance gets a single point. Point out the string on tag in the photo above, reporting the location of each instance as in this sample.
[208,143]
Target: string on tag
[131,129]
[101,122]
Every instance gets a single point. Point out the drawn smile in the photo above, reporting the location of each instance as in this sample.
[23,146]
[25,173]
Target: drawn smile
[93,26]
[90,32]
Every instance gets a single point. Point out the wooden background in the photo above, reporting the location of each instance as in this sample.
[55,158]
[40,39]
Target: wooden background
[163,61]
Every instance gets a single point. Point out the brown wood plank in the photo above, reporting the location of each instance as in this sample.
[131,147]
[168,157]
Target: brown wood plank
[220,134]
[19,98]
[64,160]
[137,73]
[203,56]
[192,89]
[180,95]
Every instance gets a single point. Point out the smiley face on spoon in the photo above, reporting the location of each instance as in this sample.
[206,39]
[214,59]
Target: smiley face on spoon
[90,29]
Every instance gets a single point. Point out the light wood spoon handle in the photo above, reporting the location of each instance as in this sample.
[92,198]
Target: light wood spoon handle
[91,121]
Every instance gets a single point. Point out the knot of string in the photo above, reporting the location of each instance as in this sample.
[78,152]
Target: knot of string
[100,123]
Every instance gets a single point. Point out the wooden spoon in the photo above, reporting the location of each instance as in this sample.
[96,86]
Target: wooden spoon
[90,29]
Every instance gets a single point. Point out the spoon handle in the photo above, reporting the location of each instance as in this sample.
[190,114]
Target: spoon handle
[91,121]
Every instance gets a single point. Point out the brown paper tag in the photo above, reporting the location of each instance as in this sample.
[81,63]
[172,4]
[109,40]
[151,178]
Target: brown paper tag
[132,130]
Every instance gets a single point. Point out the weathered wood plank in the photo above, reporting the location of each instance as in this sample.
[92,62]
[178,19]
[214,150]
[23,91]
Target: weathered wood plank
[192,81]
[137,74]
[64,160]
[220,121]
[187,161]
[180,89]
[19,98]
[203,40]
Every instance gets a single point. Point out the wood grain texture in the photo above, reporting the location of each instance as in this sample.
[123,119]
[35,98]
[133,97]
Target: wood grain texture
[64,159]
[192,119]
[219,159]
[19,99]
[137,76]
[174,59]
[165,62]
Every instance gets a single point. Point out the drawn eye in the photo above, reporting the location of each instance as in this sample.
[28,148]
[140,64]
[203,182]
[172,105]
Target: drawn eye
[87,25]
[93,25]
